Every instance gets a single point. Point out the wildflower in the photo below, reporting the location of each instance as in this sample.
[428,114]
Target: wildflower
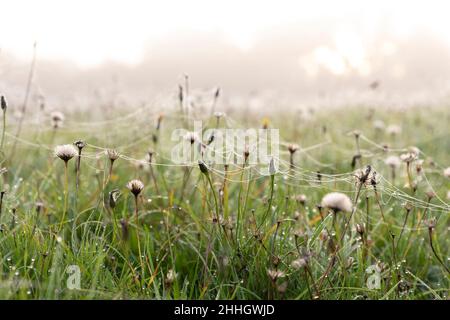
[394,129]
[191,137]
[408,206]
[80,144]
[360,229]
[3,103]
[135,186]
[447,172]
[65,152]
[142,164]
[275,274]
[219,114]
[301,198]
[57,119]
[379,125]
[408,157]
[393,161]
[356,133]
[112,154]
[299,263]
[431,223]
[419,166]
[293,148]
[170,277]
[367,176]
[430,194]
[414,150]
[337,201]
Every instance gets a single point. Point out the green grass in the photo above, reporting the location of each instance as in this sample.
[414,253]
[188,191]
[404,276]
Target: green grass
[231,259]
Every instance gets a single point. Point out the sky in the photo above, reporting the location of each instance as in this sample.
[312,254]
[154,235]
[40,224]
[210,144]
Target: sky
[89,32]
[309,48]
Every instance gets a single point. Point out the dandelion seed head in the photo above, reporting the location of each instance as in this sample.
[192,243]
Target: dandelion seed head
[337,201]
[112,154]
[135,186]
[393,162]
[393,129]
[447,172]
[379,124]
[65,152]
[171,275]
[293,148]
[80,144]
[57,118]
[191,137]
[301,198]
[219,114]
[408,157]
[430,194]
[275,274]
[298,263]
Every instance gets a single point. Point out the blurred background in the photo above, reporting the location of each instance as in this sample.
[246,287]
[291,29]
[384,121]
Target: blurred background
[303,51]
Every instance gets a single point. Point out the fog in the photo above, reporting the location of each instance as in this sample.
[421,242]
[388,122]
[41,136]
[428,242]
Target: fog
[306,60]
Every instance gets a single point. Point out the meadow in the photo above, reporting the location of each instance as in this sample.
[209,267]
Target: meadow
[357,209]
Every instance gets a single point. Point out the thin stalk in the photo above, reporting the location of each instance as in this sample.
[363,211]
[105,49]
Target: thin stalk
[3,129]
[215,197]
[430,236]
[269,205]
[66,191]
[136,216]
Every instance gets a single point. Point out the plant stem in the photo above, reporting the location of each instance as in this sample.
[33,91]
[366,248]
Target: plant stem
[66,191]
[430,235]
[4,129]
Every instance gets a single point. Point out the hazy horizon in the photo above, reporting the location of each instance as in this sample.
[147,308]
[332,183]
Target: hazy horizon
[143,49]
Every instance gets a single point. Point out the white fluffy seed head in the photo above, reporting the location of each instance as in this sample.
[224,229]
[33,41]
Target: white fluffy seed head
[447,172]
[191,137]
[298,263]
[112,154]
[408,157]
[379,124]
[393,162]
[394,129]
[135,186]
[65,152]
[57,119]
[337,201]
